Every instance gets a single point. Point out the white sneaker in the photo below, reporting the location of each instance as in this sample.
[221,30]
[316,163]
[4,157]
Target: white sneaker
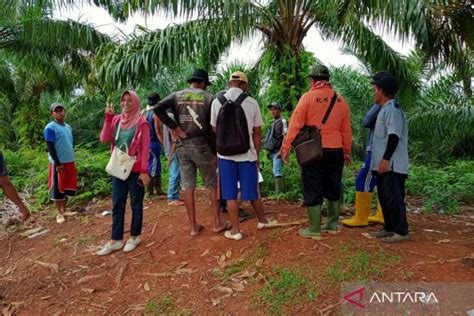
[60,219]
[131,244]
[109,247]
[266,225]
[229,235]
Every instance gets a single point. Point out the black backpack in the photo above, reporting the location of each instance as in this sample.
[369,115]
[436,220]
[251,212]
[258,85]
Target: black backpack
[270,143]
[232,130]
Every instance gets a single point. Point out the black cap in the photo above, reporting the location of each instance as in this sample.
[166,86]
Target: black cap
[319,71]
[274,105]
[153,98]
[200,75]
[386,82]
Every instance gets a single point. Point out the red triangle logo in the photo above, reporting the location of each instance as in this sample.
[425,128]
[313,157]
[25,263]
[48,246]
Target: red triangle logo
[359,295]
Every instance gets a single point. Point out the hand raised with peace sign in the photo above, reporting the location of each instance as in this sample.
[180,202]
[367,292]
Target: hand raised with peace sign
[109,109]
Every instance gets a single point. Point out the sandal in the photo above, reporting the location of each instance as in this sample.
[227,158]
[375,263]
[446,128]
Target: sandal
[226,226]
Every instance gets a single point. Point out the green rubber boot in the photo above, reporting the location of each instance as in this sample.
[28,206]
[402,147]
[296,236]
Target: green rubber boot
[314,229]
[279,184]
[333,217]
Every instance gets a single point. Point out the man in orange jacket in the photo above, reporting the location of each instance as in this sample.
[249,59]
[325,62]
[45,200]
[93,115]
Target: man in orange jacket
[322,179]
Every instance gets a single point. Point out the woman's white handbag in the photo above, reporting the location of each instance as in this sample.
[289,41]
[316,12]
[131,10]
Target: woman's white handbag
[120,164]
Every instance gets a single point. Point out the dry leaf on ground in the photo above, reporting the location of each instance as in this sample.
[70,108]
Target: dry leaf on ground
[52,266]
[205,253]
[88,278]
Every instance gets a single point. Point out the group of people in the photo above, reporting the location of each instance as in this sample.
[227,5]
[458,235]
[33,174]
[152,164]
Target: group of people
[186,124]
[385,166]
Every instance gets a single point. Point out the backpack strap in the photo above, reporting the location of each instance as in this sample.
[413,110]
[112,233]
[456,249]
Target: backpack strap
[272,127]
[241,98]
[222,99]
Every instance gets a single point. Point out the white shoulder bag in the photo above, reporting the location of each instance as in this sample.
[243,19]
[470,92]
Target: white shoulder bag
[120,164]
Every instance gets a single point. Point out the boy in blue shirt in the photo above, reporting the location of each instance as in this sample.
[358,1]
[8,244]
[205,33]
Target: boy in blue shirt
[62,175]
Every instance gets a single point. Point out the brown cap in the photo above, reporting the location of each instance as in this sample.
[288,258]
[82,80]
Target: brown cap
[55,105]
[239,75]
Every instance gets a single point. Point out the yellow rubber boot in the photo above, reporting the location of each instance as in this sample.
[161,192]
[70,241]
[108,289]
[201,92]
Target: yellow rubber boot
[362,210]
[378,217]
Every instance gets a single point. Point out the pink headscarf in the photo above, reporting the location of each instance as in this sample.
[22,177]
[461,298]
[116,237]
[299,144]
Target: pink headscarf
[129,120]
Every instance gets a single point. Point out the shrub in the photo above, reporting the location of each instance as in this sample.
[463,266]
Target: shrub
[28,169]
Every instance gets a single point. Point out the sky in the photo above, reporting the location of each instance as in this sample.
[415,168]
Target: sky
[326,51]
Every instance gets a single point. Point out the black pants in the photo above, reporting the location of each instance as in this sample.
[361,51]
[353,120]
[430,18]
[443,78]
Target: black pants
[391,192]
[323,178]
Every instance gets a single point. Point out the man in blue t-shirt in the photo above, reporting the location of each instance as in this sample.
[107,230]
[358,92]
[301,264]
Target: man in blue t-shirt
[62,175]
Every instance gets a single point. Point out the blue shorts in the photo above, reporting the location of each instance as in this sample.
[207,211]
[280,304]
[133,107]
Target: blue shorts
[245,172]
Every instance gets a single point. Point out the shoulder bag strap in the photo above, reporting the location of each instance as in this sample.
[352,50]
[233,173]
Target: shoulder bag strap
[331,106]
[117,131]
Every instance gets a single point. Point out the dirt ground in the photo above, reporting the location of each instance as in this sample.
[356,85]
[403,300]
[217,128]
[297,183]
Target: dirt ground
[58,274]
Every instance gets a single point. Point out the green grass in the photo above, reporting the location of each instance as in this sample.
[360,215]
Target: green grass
[85,240]
[234,268]
[258,252]
[442,188]
[162,305]
[360,266]
[284,288]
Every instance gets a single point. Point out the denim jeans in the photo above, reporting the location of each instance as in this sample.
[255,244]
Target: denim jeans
[120,190]
[277,165]
[174,178]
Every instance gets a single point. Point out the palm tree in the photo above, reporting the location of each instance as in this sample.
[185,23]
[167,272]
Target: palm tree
[441,120]
[212,25]
[39,54]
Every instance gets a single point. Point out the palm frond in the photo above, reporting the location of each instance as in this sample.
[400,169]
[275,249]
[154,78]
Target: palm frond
[122,10]
[377,55]
[144,55]
[355,87]
[403,18]
[51,37]
[443,131]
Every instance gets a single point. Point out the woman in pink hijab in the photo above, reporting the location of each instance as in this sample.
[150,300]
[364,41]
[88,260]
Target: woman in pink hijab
[127,130]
